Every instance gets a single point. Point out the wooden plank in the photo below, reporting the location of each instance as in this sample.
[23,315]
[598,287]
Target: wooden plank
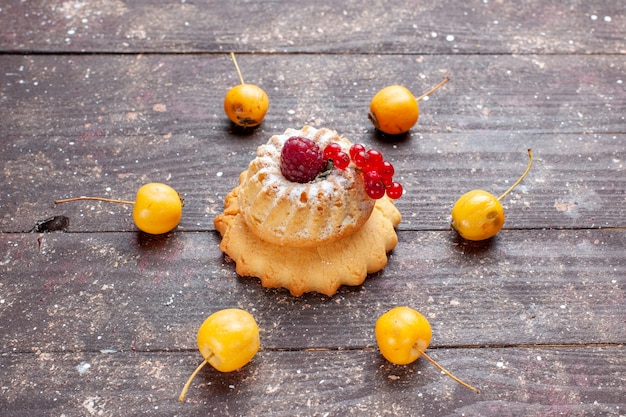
[81,125]
[90,292]
[576,181]
[390,27]
[162,94]
[99,97]
[580,381]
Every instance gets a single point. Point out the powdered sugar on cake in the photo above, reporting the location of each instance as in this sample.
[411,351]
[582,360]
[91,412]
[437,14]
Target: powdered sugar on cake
[302,215]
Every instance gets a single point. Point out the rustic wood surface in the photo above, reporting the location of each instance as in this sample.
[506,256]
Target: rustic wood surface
[100,96]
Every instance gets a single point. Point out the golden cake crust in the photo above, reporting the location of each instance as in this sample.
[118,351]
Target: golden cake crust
[296,215]
[323,268]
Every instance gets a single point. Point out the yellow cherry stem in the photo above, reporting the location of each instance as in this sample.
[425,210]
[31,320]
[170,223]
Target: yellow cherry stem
[432,90]
[445,371]
[530,163]
[183,393]
[107,200]
[232,56]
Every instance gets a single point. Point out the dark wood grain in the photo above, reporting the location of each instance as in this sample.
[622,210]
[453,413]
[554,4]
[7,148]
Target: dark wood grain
[390,27]
[100,96]
[92,125]
[123,291]
[96,96]
[580,381]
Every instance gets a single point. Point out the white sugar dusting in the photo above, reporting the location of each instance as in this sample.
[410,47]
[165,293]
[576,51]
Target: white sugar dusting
[266,187]
[83,367]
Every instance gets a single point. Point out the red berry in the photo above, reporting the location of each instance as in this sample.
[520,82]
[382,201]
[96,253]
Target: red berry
[301,160]
[360,159]
[375,158]
[386,170]
[395,190]
[375,190]
[371,176]
[387,181]
[356,148]
[331,150]
[341,160]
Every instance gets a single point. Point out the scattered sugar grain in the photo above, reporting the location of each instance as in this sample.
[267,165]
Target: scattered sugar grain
[83,367]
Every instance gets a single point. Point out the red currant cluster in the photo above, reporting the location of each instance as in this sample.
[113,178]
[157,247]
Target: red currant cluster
[334,152]
[377,173]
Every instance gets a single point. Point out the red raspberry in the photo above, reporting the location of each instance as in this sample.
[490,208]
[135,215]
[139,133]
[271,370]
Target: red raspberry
[301,160]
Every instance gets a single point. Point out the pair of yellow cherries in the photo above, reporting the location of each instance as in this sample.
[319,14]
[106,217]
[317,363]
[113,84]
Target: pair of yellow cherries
[476,215]
[393,110]
[228,340]
[157,209]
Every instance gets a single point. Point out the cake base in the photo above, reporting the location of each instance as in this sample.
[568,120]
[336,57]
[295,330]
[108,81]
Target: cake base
[321,269]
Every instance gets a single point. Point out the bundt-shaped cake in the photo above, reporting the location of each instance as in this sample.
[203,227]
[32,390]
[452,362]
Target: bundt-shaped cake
[310,236]
[293,214]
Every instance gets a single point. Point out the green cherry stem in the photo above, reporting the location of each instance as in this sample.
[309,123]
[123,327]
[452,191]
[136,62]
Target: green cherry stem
[107,200]
[530,163]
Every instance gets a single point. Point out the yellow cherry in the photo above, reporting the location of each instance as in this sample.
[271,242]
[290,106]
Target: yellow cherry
[228,339]
[157,207]
[478,214]
[245,104]
[403,335]
[394,110]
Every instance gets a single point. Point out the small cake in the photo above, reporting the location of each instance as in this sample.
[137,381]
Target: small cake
[311,236]
[294,214]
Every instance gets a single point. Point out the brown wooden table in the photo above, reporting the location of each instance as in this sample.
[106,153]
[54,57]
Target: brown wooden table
[99,97]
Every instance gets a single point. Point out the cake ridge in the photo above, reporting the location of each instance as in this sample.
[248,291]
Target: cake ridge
[302,214]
